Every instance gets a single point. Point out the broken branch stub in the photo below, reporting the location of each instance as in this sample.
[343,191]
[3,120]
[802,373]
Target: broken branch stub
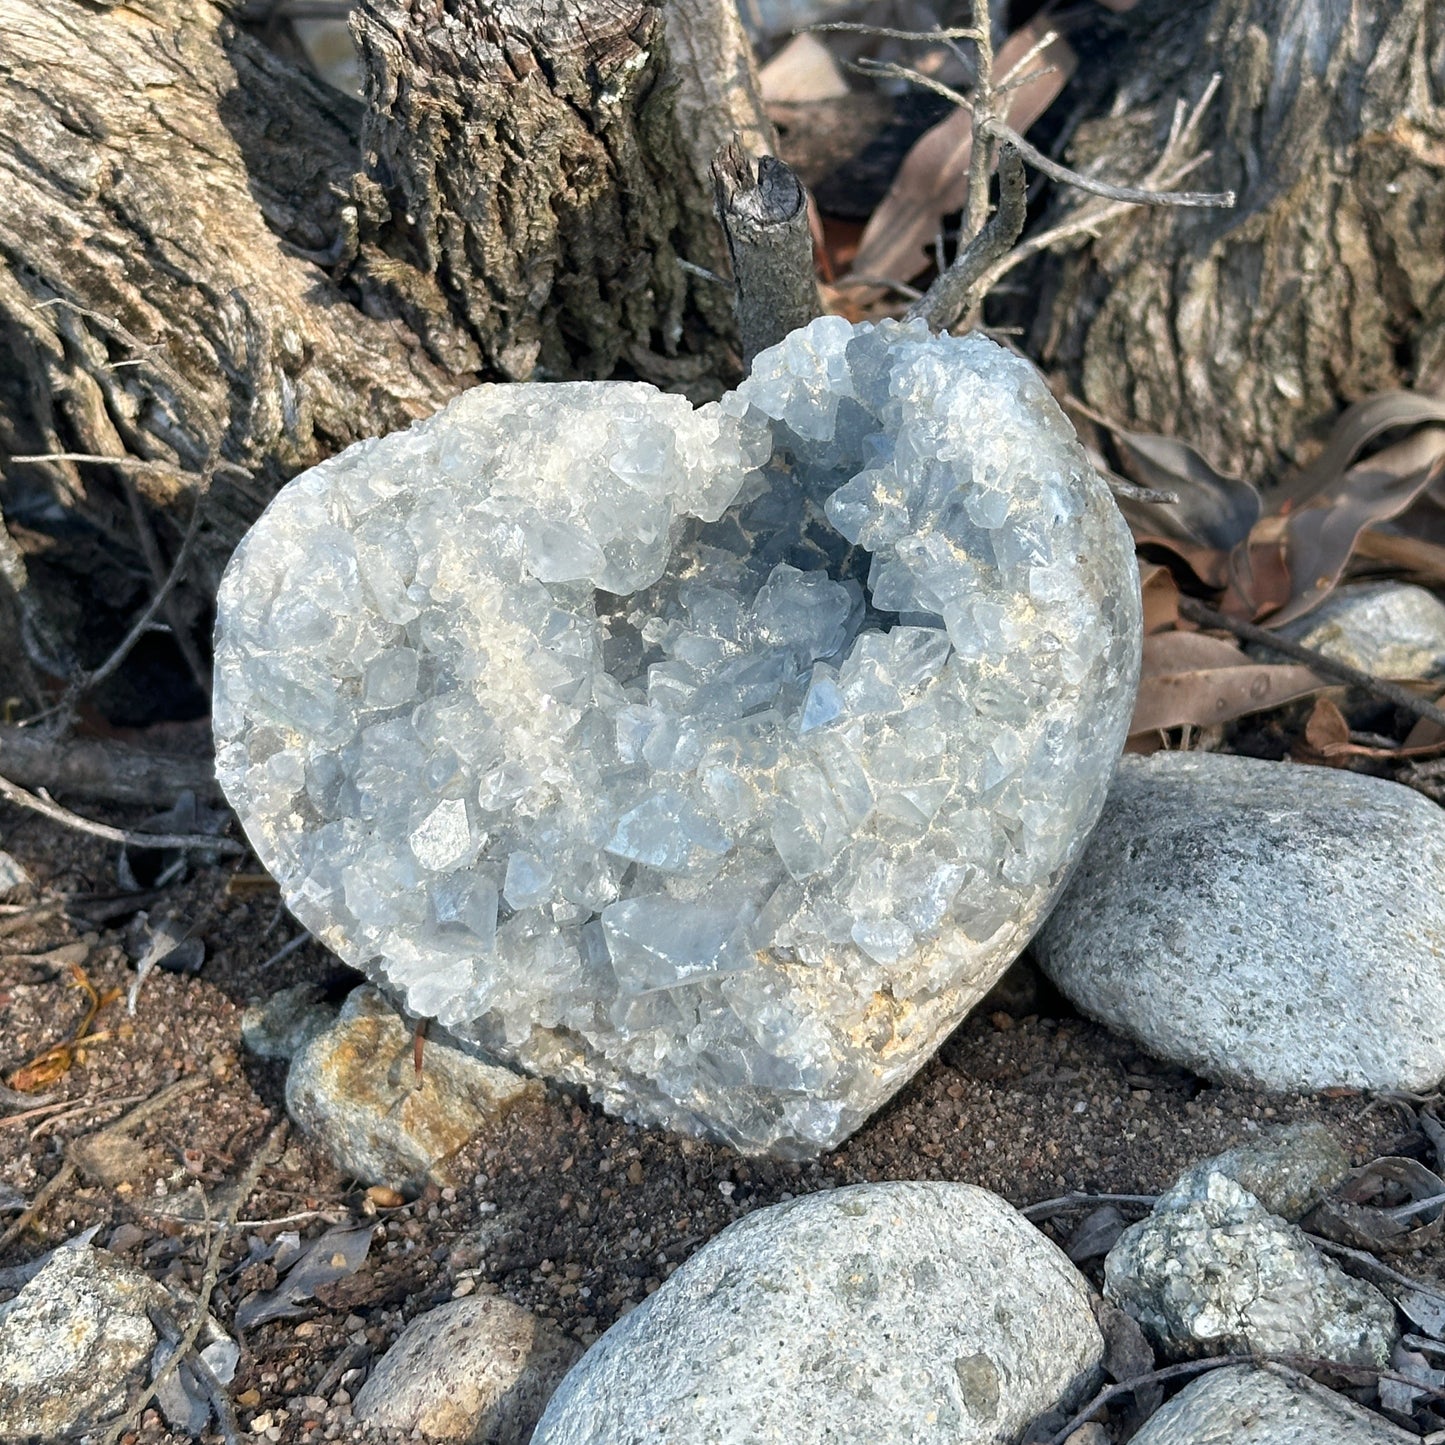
[764,213]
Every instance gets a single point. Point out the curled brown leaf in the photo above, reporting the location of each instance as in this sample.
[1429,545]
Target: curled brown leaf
[56,1061]
[1273,558]
[1193,679]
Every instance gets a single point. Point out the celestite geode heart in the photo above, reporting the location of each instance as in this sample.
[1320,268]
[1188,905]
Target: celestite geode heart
[717,760]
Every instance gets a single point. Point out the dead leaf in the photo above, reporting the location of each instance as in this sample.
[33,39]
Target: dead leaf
[56,1061]
[932,182]
[1327,731]
[1401,1396]
[1196,679]
[1273,559]
[1391,1204]
[1260,574]
[341,1251]
[1160,594]
[1425,1311]
[1355,429]
[1425,735]
[1096,1233]
[802,72]
[1189,651]
[1413,558]
[1128,1354]
[1327,738]
[1214,512]
[1319,533]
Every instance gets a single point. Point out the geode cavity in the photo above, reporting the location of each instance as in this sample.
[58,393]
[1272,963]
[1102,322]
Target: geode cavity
[718,760]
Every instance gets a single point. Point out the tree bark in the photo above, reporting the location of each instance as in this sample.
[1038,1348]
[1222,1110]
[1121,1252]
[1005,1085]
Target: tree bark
[171,193]
[198,263]
[534,194]
[1245,331]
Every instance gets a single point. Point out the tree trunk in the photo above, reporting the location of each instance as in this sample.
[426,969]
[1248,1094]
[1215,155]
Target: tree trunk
[1245,331]
[197,264]
[169,190]
[534,194]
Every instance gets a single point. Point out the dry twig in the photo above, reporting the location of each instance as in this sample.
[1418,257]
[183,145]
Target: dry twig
[1172,167]
[1137,1382]
[67,1171]
[165,578]
[1295,1366]
[216,1392]
[183,1346]
[1128,195]
[1197,611]
[955,293]
[52,810]
[979,35]
[1377,1270]
[99,768]
[1047,1208]
[764,214]
[960,288]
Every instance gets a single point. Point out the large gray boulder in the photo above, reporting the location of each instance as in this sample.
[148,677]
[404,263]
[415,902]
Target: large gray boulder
[904,1312]
[1212,1272]
[1262,922]
[1247,1405]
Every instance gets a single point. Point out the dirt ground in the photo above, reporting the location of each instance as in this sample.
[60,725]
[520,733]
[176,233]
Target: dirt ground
[566,1211]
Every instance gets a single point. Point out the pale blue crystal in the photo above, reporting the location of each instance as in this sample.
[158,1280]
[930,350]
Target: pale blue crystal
[716,760]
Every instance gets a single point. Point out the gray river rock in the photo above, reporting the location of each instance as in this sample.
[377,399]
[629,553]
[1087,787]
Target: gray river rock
[916,1313]
[1262,922]
[1212,1272]
[1248,1405]
[1391,629]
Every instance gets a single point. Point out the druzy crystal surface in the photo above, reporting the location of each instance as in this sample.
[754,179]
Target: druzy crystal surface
[717,760]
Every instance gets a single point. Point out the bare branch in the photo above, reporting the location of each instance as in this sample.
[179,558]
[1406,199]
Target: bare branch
[957,32]
[1082,1199]
[52,810]
[147,616]
[1020,81]
[909,293]
[1171,168]
[1010,76]
[985,151]
[866,65]
[1133,195]
[99,768]
[955,293]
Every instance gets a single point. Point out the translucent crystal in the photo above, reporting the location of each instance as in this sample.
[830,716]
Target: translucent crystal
[716,760]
